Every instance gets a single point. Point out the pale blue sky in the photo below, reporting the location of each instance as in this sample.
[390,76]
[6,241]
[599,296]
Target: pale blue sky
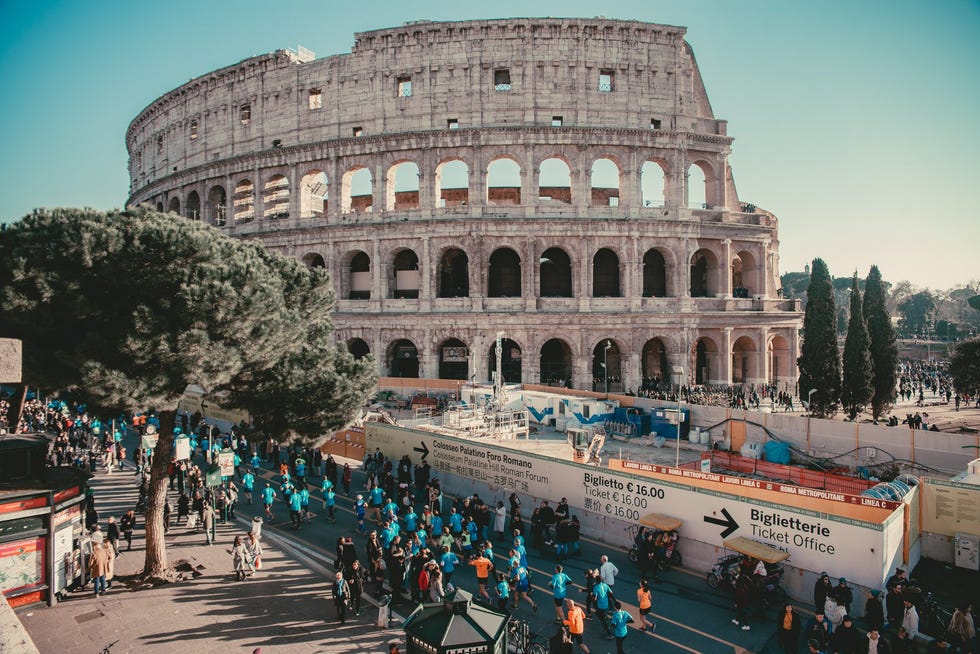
[857,123]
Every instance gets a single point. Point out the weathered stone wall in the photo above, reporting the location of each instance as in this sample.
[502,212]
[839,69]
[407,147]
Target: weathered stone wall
[279,149]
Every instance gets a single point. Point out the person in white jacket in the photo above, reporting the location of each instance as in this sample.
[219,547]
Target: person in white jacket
[607,571]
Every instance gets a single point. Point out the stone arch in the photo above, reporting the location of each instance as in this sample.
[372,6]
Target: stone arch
[452,183]
[275,197]
[357,190]
[510,361]
[217,205]
[697,185]
[745,275]
[654,364]
[402,359]
[358,347]
[192,207]
[313,260]
[454,359]
[556,363]
[402,186]
[454,278]
[174,205]
[244,201]
[654,273]
[405,279]
[555,180]
[314,188]
[504,181]
[160,207]
[504,274]
[653,183]
[780,360]
[607,366]
[360,278]
[555,273]
[605,274]
[605,181]
[704,273]
[744,360]
[704,360]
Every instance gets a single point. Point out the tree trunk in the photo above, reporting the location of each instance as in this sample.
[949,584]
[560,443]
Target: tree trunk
[156,568]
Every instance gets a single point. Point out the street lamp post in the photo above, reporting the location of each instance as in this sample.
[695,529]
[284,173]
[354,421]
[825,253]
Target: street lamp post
[809,400]
[679,373]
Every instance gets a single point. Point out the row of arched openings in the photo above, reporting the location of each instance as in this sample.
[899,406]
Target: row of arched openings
[555,363]
[555,274]
[452,182]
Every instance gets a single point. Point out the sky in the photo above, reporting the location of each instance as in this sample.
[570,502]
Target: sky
[856,122]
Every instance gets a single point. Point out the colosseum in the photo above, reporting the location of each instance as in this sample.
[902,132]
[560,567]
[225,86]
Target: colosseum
[562,181]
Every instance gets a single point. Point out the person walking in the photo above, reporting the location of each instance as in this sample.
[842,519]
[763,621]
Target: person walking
[128,523]
[240,559]
[619,619]
[98,567]
[483,568]
[341,594]
[268,496]
[355,580]
[743,598]
[112,535]
[603,604]
[254,549]
[962,630]
[607,571]
[644,600]
[248,483]
[788,630]
[576,624]
[208,522]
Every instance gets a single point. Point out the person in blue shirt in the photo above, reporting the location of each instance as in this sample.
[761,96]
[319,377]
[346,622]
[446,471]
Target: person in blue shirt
[619,619]
[503,591]
[601,593]
[522,584]
[437,525]
[268,495]
[360,510]
[521,552]
[448,562]
[390,511]
[325,486]
[559,584]
[376,500]
[295,507]
[411,520]
[304,500]
[329,501]
[301,470]
[256,461]
[287,491]
[248,483]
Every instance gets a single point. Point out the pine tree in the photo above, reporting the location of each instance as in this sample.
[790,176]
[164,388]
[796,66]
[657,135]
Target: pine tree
[856,389]
[124,310]
[819,360]
[884,347]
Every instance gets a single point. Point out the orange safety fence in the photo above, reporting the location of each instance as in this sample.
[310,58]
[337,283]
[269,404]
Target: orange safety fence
[729,461]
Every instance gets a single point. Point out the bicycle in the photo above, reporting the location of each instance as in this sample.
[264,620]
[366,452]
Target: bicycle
[934,619]
[105,650]
[524,641]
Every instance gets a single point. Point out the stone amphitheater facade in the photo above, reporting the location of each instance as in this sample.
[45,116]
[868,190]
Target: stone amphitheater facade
[562,181]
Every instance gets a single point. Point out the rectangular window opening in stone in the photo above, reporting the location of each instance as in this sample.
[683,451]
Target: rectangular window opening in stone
[194,130]
[160,144]
[606,80]
[452,123]
[316,99]
[357,131]
[655,123]
[245,114]
[556,121]
[405,86]
[501,79]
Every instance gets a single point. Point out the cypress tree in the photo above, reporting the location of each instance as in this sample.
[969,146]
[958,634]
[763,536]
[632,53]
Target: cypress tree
[857,389]
[819,360]
[884,348]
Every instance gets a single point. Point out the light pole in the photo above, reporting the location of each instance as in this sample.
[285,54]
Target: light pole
[679,373]
[605,364]
[809,400]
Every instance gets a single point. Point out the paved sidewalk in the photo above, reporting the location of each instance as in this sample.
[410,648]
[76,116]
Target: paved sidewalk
[283,608]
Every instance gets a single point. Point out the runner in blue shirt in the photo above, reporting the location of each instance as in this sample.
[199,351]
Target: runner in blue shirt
[601,593]
[522,584]
[559,583]
[411,520]
[329,501]
[268,495]
[390,511]
[304,501]
[360,509]
[248,483]
[287,491]
[436,524]
[324,487]
[455,523]
[503,592]
[619,619]
[448,562]
[376,497]
[295,506]
[301,470]
[256,461]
